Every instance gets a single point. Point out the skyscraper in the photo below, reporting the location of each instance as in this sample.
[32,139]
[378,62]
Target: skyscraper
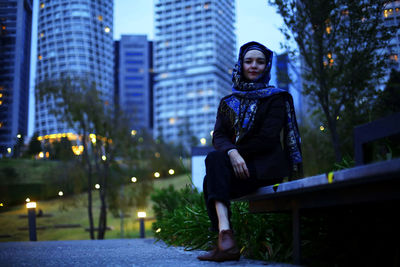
[194,51]
[15,43]
[75,40]
[134,75]
[392,18]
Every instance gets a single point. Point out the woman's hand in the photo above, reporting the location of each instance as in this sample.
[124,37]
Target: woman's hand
[238,164]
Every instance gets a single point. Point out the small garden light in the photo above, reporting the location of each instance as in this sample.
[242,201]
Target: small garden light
[157,175]
[28,199]
[134,179]
[141,216]
[97,186]
[60,193]
[31,206]
[171,171]
[203,141]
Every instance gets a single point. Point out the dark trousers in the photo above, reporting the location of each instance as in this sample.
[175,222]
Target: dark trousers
[221,184]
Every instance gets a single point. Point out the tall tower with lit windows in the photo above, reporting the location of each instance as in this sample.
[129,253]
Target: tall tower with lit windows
[194,51]
[75,39]
[15,52]
[133,74]
[392,18]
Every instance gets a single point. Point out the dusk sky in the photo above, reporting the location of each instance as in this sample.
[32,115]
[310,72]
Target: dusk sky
[255,21]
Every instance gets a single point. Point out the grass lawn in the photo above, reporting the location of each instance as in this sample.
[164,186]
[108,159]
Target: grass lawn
[73,210]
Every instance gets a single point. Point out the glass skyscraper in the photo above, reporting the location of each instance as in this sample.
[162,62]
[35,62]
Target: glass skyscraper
[75,39]
[194,52]
[15,52]
[134,75]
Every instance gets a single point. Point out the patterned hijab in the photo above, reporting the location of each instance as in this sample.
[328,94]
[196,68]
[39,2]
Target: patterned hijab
[243,104]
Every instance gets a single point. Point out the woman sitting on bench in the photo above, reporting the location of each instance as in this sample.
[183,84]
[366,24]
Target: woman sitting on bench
[246,137]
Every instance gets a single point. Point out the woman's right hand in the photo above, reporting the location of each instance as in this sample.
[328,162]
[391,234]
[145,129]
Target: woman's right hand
[238,164]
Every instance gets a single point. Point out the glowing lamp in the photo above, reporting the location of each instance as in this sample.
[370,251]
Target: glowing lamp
[31,205]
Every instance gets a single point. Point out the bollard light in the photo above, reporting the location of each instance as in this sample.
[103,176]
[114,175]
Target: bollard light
[31,206]
[141,215]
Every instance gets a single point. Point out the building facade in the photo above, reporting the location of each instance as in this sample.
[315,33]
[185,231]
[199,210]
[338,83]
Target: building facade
[194,51]
[75,39]
[15,52]
[392,18]
[133,61]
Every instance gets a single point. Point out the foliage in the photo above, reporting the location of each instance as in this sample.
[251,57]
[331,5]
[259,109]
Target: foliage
[181,217]
[341,44]
[388,100]
[182,220]
[34,146]
[317,153]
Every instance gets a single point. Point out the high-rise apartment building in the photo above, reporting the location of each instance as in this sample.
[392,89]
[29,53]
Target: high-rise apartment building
[392,18]
[75,39]
[194,51]
[15,46]
[133,61]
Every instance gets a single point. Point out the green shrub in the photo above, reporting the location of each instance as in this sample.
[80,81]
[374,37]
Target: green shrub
[181,220]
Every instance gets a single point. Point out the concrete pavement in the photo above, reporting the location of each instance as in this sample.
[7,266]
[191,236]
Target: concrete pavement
[114,252]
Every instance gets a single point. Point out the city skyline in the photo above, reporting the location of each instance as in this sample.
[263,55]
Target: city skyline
[252,22]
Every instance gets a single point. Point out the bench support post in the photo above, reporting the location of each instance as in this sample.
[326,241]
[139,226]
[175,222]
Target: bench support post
[296,234]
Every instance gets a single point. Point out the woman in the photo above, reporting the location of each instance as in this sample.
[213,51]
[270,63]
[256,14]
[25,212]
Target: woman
[247,141]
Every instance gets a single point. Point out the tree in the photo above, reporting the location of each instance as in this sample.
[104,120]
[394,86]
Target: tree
[34,146]
[342,47]
[388,100]
[110,152]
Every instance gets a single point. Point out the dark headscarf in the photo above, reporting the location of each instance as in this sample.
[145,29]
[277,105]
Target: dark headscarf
[239,82]
[243,104]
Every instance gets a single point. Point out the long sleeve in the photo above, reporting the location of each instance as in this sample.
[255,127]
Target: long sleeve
[223,135]
[266,135]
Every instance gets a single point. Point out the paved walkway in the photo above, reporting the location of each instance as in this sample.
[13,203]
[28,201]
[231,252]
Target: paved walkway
[116,252]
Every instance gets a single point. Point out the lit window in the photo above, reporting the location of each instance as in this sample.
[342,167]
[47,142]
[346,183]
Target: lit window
[394,57]
[107,29]
[1,102]
[206,6]
[40,57]
[328,30]
[1,95]
[41,34]
[100,17]
[1,124]
[171,120]
[42,5]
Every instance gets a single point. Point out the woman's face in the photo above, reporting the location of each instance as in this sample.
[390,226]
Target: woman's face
[254,64]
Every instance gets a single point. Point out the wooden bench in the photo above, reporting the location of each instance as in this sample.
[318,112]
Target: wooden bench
[361,184]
